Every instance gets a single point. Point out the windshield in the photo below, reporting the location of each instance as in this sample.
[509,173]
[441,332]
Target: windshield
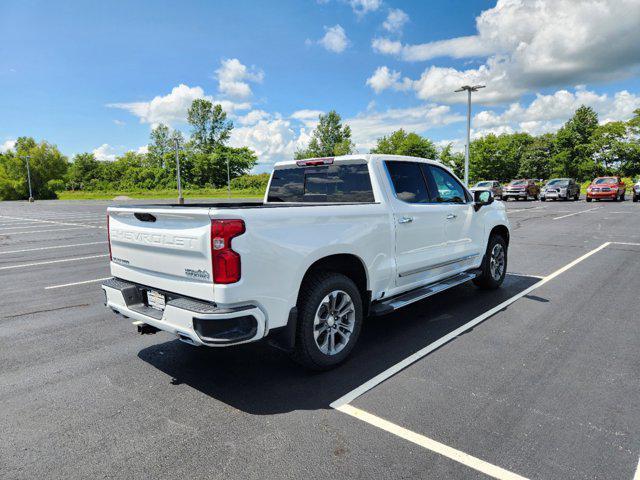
[558,182]
[484,184]
[518,182]
[600,181]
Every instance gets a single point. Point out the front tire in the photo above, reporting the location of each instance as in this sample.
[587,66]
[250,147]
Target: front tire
[329,320]
[588,199]
[494,264]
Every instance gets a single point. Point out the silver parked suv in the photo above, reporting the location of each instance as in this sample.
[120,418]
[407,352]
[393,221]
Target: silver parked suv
[560,188]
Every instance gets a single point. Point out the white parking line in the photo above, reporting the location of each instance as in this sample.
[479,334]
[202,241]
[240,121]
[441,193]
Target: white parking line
[637,475]
[52,248]
[51,221]
[46,230]
[524,209]
[576,213]
[430,444]
[77,283]
[389,372]
[75,259]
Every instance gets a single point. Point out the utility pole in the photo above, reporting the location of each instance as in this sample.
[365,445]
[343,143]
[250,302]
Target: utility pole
[228,179]
[180,198]
[29,179]
[468,89]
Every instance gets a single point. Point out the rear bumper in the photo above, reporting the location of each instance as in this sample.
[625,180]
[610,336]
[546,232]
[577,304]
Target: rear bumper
[193,321]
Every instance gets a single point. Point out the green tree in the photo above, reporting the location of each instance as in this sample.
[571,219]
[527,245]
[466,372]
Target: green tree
[209,124]
[330,138]
[537,158]
[574,147]
[402,143]
[83,170]
[453,160]
[160,144]
[608,148]
[45,161]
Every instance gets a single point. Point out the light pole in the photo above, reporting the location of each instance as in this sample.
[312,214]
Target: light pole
[29,179]
[228,179]
[180,198]
[469,89]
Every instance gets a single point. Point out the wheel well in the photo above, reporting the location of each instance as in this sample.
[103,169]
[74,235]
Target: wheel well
[346,264]
[502,231]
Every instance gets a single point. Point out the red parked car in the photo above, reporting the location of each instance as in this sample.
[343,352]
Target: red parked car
[612,188]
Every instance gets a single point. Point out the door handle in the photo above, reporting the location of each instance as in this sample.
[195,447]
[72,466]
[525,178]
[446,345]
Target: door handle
[405,220]
[451,216]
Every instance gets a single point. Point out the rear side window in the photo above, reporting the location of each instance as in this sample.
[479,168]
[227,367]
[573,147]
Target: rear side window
[408,181]
[348,183]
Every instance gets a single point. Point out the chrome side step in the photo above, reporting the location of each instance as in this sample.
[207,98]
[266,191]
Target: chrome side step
[392,304]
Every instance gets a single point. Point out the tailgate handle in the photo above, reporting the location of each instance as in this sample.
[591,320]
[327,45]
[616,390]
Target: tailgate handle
[145,217]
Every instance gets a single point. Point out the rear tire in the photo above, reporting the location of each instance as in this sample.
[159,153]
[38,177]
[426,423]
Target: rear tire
[325,336]
[588,199]
[494,264]
[543,199]
[635,198]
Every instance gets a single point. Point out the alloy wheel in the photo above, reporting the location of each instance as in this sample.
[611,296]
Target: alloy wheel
[334,322]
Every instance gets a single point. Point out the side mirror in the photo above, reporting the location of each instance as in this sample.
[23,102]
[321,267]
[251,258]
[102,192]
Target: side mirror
[482,197]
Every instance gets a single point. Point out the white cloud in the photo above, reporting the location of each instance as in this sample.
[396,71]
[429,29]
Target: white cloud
[386,46]
[547,113]
[308,117]
[7,145]
[395,21]
[383,78]
[335,39]
[172,108]
[369,126]
[276,138]
[120,123]
[253,117]
[362,7]
[105,153]
[233,78]
[143,150]
[272,140]
[531,45]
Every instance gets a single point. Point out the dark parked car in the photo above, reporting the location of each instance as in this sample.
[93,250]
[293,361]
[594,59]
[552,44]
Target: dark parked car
[560,188]
[521,189]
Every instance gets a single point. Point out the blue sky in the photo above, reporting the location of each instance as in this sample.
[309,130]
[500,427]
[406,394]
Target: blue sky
[96,76]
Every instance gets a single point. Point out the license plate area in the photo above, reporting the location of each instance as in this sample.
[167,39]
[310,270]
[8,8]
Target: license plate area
[156,300]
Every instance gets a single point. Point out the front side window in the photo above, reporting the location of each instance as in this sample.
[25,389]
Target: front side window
[408,182]
[346,183]
[445,188]
[484,184]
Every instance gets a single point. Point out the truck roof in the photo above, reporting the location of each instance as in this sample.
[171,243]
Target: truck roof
[368,157]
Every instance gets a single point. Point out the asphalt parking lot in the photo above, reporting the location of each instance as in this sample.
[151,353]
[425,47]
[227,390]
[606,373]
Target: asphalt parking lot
[540,379]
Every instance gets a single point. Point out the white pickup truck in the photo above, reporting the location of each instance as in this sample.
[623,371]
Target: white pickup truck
[334,241]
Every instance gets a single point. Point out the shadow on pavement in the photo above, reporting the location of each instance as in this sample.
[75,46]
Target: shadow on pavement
[260,380]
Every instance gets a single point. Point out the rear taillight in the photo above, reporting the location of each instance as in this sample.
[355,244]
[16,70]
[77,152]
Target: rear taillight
[109,238]
[224,261]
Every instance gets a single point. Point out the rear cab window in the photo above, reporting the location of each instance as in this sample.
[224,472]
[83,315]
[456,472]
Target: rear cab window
[339,183]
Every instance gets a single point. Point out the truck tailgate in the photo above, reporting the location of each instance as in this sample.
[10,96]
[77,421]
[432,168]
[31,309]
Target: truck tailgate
[167,249]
